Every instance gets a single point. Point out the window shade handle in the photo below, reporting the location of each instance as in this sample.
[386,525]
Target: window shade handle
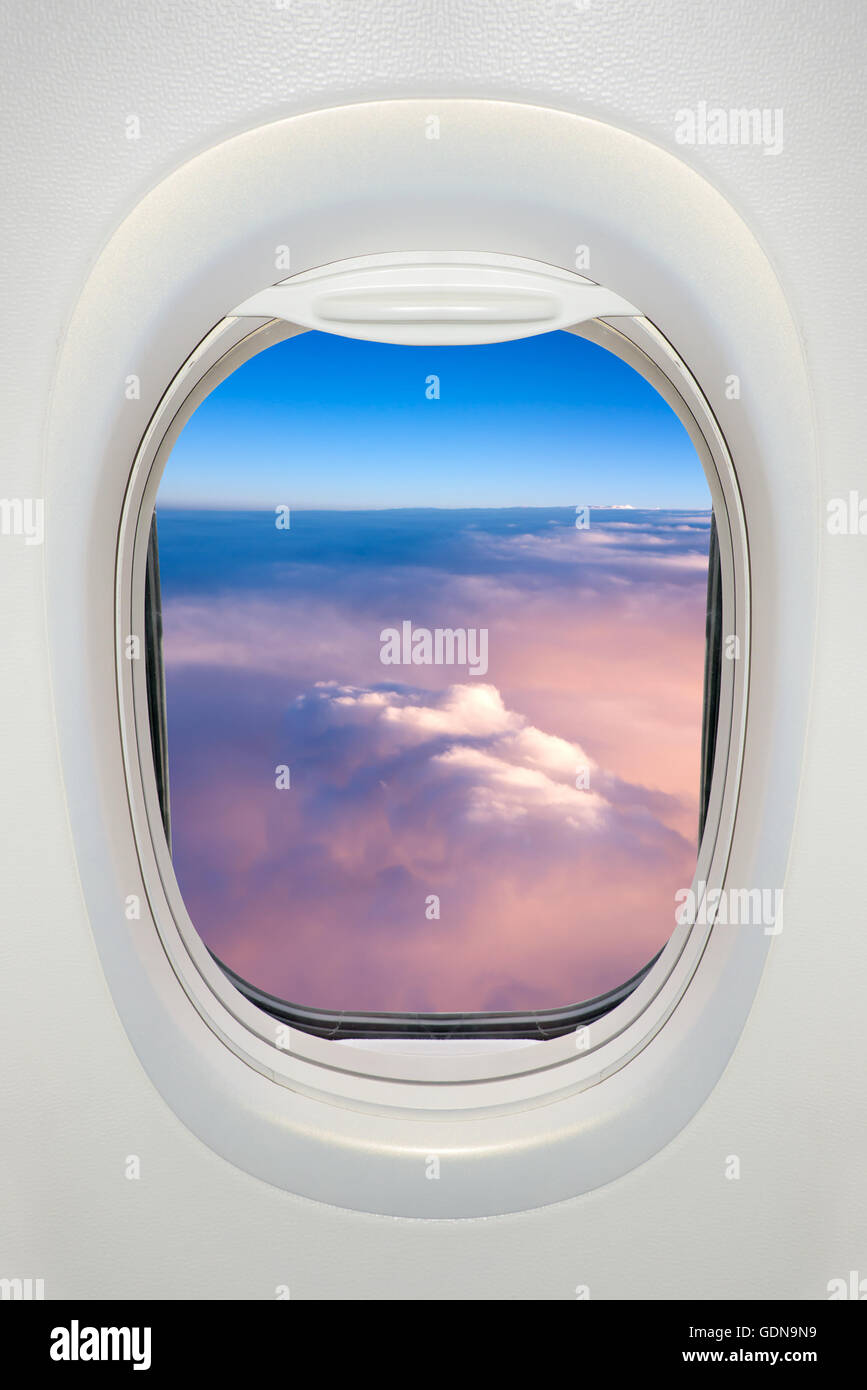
[451,298]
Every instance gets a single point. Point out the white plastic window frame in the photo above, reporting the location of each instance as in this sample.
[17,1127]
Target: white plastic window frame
[359,180]
[432,1073]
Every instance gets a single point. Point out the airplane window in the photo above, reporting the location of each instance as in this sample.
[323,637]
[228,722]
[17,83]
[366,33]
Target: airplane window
[433,641]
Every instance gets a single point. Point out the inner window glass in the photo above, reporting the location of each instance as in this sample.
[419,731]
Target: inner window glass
[433,624]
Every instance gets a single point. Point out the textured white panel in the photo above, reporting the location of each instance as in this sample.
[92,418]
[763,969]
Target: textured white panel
[74,1098]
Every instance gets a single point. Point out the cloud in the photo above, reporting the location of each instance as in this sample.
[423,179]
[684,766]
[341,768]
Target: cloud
[616,551]
[488,759]
[465,789]
[449,793]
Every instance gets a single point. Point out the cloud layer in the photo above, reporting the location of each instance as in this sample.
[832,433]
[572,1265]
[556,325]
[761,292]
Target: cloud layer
[435,784]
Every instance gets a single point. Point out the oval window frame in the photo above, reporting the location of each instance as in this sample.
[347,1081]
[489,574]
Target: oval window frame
[440,1076]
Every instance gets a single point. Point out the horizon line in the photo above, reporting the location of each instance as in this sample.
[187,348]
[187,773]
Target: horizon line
[456,507]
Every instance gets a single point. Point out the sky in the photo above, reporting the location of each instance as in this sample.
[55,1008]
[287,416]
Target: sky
[417,783]
[349,424]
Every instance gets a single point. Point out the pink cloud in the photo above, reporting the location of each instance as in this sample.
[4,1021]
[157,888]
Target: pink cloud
[548,894]
[463,788]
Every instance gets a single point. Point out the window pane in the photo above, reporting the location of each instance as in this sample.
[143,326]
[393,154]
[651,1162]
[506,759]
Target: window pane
[434,637]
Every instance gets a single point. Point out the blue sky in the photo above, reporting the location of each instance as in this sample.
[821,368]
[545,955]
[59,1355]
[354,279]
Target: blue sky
[325,422]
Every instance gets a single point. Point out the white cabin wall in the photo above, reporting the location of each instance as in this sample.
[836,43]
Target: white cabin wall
[792,1103]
